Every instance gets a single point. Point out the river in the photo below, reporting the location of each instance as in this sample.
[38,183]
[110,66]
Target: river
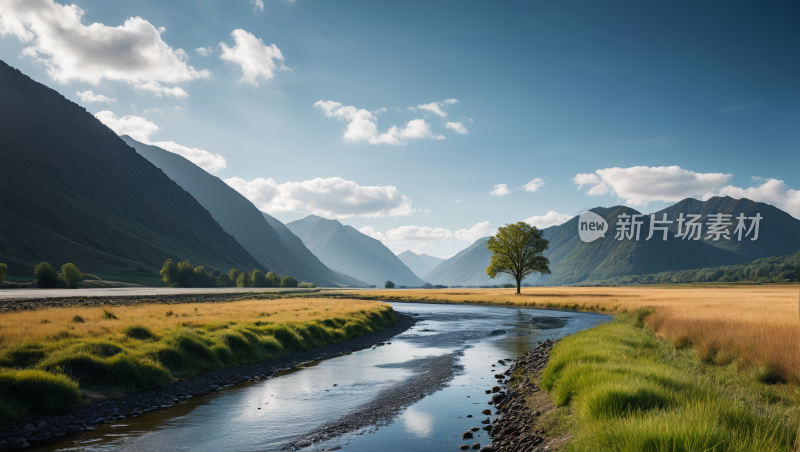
[412,394]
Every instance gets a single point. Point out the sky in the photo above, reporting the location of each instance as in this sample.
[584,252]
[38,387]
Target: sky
[428,125]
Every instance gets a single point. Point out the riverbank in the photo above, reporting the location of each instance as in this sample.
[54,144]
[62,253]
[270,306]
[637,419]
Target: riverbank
[618,387]
[39,429]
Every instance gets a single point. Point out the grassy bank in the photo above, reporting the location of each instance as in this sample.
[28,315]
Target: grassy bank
[628,390]
[50,357]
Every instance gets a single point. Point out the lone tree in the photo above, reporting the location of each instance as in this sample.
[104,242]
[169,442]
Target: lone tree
[389,285]
[517,251]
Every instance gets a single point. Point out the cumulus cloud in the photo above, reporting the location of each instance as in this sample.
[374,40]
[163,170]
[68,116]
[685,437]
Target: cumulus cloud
[772,191]
[140,129]
[362,125]
[380,111]
[89,97]
[533,185]
[329,197]
[372,232]
[133,52]
[457,127]
[204,51]
[474,233]
[256,59]
[258,4]
[641,185]
[436,107]
[423,233]
[551,218]
[500,190]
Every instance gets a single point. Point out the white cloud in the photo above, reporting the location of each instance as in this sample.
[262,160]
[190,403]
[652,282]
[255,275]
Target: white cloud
[89,97]
[330,197]
[140,130]
[362,125]
[258,4]
[500,190]
[458,127]
[133,52]
[153,110]
[380,111]
[256,59]
[204,51]
[533,185]
[641,185]
[436,107]
[372,232]
[476,232]
[551,218]
[772,191]
[423,233]
[136,127]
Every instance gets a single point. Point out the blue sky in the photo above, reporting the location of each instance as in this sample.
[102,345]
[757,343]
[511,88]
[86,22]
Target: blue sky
[636,104]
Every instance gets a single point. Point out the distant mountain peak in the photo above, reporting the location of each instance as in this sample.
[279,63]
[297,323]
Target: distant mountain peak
[313,218]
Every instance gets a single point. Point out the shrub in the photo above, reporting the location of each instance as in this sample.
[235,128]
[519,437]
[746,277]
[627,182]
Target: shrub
[109,315]
[3,271]
[169,273]
[257,279]
[46,276]
[272,280]
[427,285]
[288,281]
[307,285]
[389,285]
[71,276]
[139,332]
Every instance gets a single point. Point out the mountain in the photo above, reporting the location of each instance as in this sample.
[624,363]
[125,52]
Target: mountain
[240,218]
[467,268]
[431,261]
[296,246]
[72,191]
[415,263]
[573,261]
[346,250]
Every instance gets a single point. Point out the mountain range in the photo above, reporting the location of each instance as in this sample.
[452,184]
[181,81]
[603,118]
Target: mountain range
[420,264]
[345,249]
[573,261]
[264,237]
[72,191]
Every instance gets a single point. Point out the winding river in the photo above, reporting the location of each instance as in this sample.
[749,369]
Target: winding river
[414,393]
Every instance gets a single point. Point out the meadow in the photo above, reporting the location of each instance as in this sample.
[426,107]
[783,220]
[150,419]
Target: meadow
[627,390]
[50,357]
[753,326]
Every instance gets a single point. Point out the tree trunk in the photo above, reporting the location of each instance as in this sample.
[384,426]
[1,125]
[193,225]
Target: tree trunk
[518,283]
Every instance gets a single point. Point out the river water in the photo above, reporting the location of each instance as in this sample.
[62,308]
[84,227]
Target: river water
[272,414]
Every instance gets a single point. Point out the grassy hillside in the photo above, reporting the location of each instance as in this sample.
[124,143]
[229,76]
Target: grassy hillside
[72,191]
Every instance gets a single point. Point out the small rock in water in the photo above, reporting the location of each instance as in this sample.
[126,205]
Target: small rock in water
[466,435]
[476,446]
[497,332]
[485,421]
[334,448]
[488,391]
[486,412]
[469,415]
[475,429]
[496,389]
[463,447]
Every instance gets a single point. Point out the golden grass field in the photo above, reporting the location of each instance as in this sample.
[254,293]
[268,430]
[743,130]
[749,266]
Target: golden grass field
[757,326]
[58,323]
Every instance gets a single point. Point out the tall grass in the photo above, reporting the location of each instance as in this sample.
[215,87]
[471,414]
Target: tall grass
[129,348]
[631,391]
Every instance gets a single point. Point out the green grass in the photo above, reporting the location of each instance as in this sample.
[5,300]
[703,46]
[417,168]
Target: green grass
[50,376]
[630,391]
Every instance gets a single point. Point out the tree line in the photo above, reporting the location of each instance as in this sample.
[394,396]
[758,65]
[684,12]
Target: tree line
[776,269]
[184,274]
[46,276]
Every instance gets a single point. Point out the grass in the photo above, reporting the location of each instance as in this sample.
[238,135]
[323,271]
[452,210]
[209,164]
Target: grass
[48,357]
[631,391]
[755,327]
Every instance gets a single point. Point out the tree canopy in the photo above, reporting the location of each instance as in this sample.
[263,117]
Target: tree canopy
[389,285]
[517,251]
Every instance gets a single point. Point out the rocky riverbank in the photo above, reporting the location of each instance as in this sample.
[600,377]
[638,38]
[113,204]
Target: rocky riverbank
[38,428]
[513,430]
